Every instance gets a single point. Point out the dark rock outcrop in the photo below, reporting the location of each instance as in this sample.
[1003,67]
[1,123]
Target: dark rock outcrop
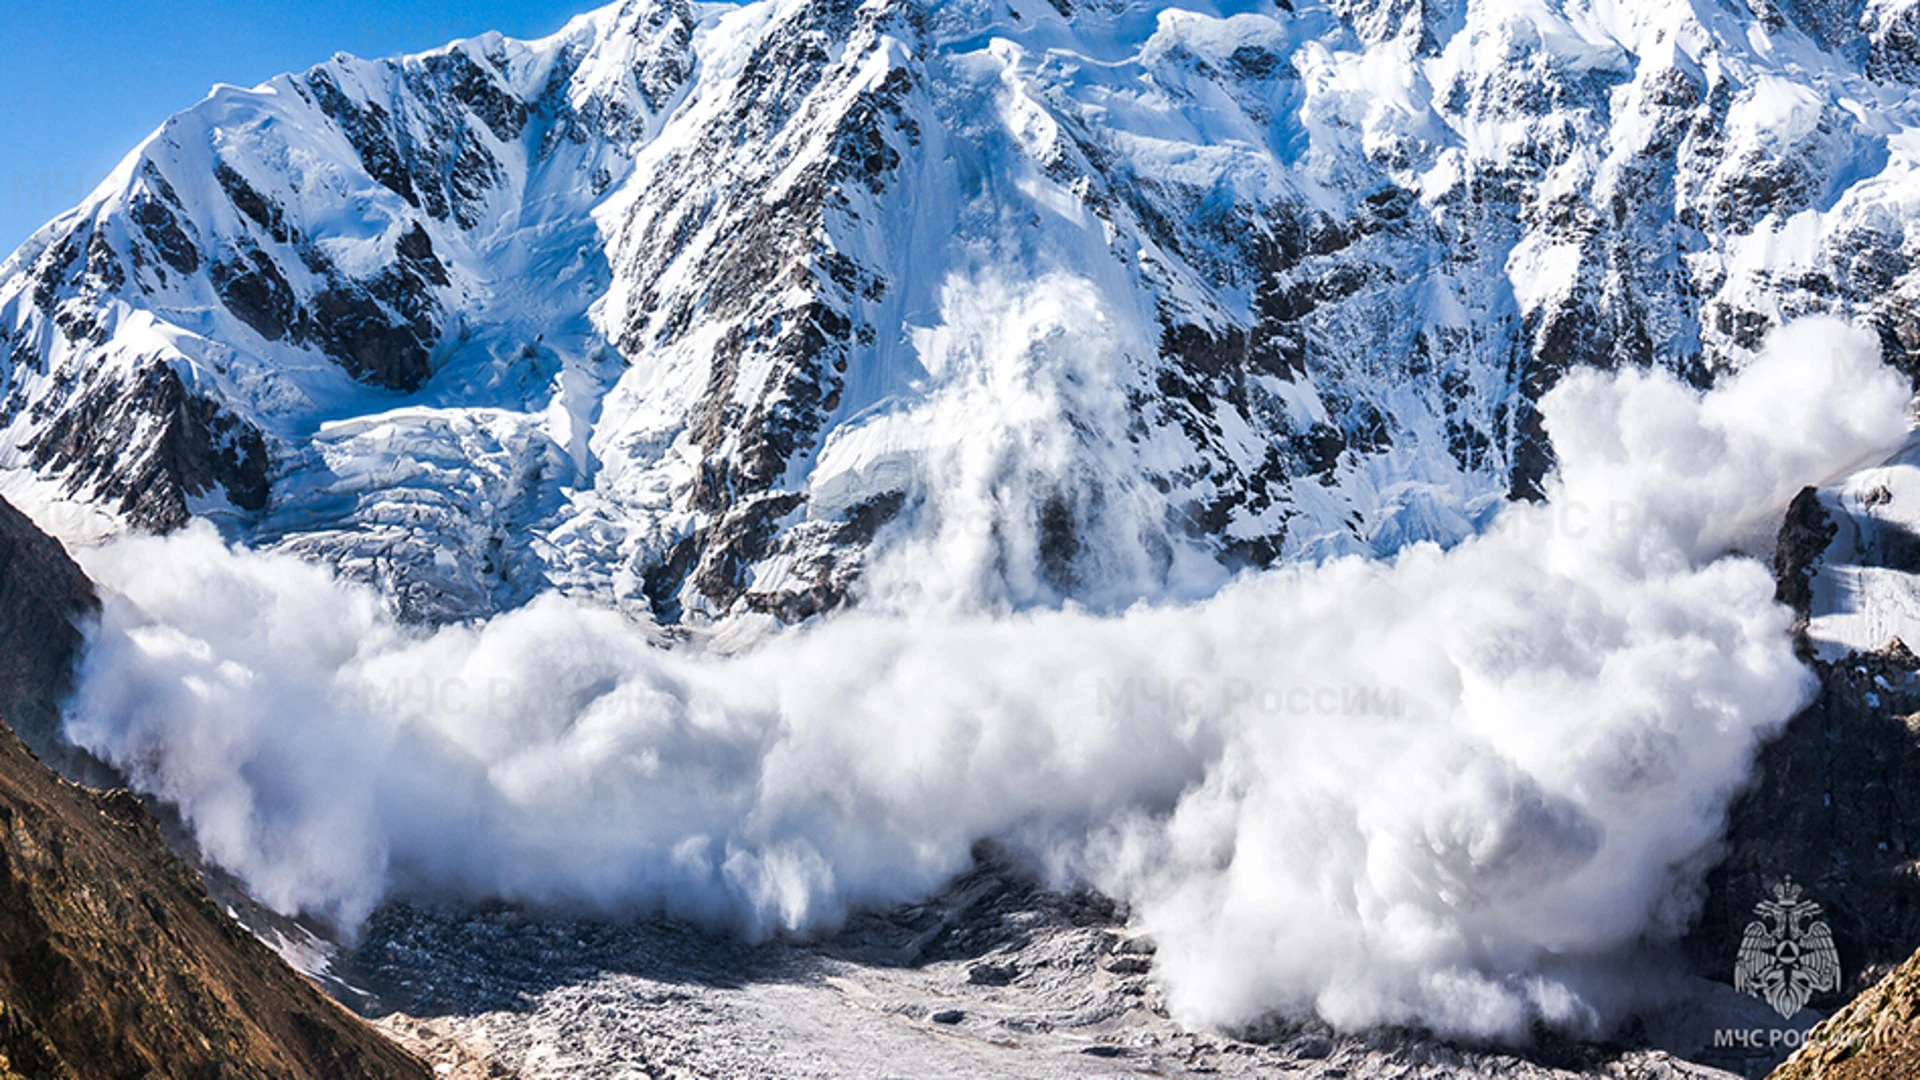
[1835,808]
[44,599]
[1803,538]
[147,446]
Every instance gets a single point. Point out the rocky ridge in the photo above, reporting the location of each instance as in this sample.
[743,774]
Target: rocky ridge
[114,960]
[45,601]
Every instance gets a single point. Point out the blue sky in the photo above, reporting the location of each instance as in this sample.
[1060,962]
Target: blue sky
[83,81]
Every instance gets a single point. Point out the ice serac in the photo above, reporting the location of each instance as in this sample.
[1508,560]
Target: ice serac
[706,310]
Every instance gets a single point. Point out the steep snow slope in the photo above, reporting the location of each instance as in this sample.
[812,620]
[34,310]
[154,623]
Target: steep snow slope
[691,308]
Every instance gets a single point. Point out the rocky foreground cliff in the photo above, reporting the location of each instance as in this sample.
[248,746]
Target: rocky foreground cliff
[1876,1037]
[115,962]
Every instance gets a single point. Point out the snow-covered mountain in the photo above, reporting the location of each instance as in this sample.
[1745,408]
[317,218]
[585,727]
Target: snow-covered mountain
[695,308]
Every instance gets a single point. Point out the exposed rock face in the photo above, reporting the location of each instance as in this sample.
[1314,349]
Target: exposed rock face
[1834,805]
[114,961]
[1835,808]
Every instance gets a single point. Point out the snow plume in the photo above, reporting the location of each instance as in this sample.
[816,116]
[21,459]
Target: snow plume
[1457,788]
[1021,506]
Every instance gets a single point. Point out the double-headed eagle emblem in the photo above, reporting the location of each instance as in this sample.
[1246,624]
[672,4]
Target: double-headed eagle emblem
[1787,955]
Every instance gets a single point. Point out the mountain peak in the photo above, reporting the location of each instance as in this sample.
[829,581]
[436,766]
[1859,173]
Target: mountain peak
[703,309]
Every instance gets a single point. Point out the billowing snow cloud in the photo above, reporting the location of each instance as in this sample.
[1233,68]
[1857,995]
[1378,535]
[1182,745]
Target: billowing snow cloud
[1455,788]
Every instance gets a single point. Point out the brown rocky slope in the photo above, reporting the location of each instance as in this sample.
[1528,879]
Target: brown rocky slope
[1876,1037]
[114,961]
